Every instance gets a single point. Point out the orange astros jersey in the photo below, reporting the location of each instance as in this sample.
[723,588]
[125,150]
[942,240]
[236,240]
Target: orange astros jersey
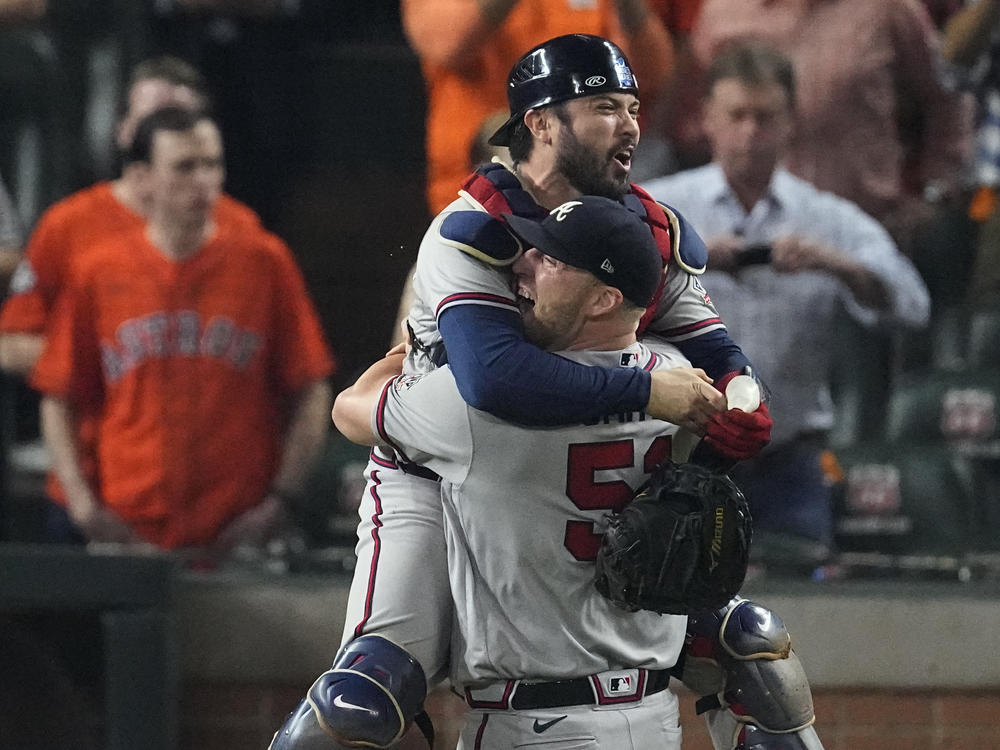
[64,231]
[188,365]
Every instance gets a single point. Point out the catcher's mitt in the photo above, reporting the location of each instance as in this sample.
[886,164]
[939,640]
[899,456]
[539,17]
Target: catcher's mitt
[681,546]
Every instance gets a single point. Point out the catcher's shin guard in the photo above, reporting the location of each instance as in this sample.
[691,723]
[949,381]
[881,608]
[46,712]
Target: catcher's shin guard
[754,738]
[369,698]
[755,692]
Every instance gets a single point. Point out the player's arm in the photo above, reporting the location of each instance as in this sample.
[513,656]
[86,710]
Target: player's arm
[498,371]
[352,409]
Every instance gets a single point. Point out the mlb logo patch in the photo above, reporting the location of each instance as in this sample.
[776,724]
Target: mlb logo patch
[628,359]
[618,685]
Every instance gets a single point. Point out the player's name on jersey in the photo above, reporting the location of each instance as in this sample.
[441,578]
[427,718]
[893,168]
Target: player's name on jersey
[624,417]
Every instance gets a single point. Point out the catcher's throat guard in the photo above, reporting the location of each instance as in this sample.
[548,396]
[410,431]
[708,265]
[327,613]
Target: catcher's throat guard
[681,546]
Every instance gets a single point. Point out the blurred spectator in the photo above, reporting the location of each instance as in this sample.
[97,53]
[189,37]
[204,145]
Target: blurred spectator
[466,51]
[69,227]
[657,152]
[11,237]
[875,123]
[972,45]
[195,347]
[783,257]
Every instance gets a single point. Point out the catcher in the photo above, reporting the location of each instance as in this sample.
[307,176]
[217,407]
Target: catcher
[536,646]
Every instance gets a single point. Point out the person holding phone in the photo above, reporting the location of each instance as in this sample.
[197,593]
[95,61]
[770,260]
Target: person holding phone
[783,258]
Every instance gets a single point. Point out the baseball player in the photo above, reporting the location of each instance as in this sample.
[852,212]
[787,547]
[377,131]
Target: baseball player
[196,352]
[572,131]
[536,649]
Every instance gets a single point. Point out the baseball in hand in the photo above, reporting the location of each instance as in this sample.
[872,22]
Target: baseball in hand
[743,393]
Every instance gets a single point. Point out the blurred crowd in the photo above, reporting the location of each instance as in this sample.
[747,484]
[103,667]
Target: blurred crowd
[840,158]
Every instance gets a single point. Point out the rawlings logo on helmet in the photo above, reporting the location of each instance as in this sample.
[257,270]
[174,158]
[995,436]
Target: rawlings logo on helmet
[596,81]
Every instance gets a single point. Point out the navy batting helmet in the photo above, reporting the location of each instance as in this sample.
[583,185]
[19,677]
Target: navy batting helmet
[562,68]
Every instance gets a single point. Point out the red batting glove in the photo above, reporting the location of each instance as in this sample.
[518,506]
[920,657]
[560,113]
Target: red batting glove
[738,434]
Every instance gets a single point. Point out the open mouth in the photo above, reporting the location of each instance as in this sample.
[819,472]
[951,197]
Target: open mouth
[624,158]
[525,300]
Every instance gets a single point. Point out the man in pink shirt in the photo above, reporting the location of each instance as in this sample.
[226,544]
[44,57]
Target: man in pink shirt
[865,67]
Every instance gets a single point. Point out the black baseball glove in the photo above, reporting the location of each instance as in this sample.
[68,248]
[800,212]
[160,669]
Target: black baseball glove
[681,546]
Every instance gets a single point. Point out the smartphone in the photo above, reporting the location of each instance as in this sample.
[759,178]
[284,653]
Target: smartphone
[754,255]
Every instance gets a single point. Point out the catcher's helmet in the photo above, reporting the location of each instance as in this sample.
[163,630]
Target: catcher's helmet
[562,68]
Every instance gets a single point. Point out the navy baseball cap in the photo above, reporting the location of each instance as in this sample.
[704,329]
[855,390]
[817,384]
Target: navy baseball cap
[603,237]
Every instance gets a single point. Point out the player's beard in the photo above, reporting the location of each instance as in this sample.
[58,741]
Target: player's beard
[586,170]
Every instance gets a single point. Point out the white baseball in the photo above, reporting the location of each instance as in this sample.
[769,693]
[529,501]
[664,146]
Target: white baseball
[743,393]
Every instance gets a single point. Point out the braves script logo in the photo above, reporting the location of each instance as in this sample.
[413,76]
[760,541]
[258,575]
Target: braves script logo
[561,212]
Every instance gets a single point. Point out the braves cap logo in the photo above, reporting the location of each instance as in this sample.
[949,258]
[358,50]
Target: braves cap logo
[561,212]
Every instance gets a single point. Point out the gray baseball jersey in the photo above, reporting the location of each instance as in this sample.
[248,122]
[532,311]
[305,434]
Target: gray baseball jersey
[524,509]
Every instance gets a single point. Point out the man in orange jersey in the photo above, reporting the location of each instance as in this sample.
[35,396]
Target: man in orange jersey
[106,207]
[193,345]
[67,228]
[466,50]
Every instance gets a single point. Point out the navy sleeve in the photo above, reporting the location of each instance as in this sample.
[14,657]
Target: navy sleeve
[499,372]
[714,352]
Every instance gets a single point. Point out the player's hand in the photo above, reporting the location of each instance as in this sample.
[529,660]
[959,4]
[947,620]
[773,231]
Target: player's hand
[403,347]
[685,397]
[253,528]
[739,435]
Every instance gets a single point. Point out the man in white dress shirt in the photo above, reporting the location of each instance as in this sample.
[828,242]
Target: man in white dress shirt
[784,257]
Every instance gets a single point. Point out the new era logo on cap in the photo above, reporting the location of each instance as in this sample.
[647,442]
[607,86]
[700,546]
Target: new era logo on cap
[607,267]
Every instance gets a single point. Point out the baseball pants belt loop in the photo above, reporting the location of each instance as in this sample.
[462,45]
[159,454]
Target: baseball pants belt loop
[606,688]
